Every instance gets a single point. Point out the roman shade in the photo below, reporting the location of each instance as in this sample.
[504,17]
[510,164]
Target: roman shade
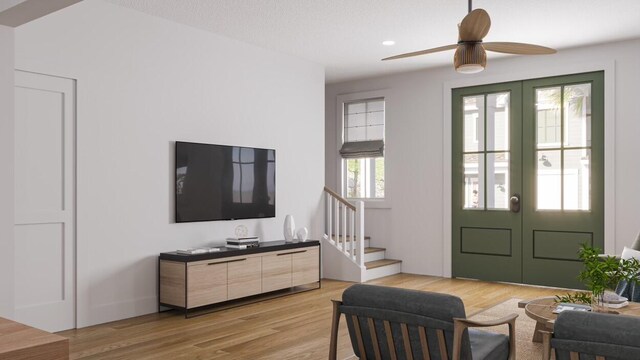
[362,149]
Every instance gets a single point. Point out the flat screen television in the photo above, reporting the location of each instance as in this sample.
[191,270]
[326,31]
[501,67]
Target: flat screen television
[219,182]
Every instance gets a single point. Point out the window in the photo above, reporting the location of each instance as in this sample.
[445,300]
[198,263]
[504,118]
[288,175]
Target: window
[362,151]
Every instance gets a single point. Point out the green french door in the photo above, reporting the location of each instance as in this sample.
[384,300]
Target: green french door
[528,178]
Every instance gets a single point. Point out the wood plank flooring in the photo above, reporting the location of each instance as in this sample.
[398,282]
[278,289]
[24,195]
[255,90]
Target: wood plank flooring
[291,327]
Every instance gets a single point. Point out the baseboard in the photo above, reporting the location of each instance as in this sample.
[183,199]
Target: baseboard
[105,313]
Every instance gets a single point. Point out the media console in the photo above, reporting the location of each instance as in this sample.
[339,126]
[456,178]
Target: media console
[193,282]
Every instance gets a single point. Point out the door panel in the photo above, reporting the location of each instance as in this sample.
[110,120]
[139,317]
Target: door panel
[45,201]
[206,284]
[563,175]
[276,272]
[485,241]
[486,168]
[553,159]
[244,278]
[305,266]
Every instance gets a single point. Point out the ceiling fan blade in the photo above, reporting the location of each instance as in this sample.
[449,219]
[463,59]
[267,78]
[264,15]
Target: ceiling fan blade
[422,52]
[474,26]
[518,48]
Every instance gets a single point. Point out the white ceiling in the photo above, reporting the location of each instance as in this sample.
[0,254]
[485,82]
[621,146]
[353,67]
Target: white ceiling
[345,35]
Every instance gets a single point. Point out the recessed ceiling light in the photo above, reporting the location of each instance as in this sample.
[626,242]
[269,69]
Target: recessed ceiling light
[388,43]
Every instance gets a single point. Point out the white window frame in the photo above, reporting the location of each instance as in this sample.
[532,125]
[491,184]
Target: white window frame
[341,100]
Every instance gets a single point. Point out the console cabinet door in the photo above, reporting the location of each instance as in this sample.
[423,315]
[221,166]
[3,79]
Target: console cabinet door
[172,285]
[206,284]
[244,277]
[306,266]
[276,272]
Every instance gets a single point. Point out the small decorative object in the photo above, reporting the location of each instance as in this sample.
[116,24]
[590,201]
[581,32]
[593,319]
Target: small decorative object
[302,234]
[605,272]
[241,231]
[289,228]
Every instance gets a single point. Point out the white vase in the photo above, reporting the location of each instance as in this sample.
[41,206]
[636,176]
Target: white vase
[302,234]
[289,228]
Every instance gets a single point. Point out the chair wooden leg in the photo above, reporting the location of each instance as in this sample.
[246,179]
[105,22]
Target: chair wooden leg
[546,345]
[458,330]
[335,324]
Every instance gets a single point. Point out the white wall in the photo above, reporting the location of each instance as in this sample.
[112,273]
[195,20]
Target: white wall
[6,180]
[418,155]
[144,82]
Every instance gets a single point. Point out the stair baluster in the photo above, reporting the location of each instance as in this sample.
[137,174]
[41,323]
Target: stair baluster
[345,226]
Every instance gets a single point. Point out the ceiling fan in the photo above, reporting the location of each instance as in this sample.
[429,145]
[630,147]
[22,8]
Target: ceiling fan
[470,56]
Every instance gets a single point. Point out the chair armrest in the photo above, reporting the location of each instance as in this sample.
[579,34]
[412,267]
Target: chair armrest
[335,324]
[460,325]
[476,323]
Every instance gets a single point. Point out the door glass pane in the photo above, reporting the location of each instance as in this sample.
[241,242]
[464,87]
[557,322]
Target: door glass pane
[548,180]
[498,180]
[473,123]
[548,117]
[474,181]
[498,121]
[577,175]
[577,115]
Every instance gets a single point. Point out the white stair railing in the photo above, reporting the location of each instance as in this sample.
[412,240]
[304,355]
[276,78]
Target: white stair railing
[344,225]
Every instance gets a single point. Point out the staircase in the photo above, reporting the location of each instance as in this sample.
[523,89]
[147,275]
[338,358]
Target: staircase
[347,253]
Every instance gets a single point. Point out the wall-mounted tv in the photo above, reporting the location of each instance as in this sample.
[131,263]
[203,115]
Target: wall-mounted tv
[219,182]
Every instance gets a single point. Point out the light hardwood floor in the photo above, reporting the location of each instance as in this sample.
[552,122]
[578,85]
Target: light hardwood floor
[290,327]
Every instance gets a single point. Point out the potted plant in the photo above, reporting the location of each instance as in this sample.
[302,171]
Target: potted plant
[603,273]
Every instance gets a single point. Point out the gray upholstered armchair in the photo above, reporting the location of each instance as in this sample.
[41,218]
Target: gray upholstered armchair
[392,323]
[589,336]
[630,290]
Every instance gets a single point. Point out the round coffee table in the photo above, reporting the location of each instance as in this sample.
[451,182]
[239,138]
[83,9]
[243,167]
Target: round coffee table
[541,310]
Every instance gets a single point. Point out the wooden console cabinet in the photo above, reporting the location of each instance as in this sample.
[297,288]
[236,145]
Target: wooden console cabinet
[188,282]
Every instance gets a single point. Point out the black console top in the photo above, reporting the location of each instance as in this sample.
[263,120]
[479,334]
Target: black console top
[227,252]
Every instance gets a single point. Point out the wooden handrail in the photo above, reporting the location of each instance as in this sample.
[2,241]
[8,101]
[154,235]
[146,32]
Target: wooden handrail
[340,198]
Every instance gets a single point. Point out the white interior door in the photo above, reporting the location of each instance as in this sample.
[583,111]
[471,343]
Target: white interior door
[45,201]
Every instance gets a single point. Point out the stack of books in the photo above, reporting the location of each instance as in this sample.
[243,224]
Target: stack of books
[243,242]
[614,301]
[193,251]
[571,307]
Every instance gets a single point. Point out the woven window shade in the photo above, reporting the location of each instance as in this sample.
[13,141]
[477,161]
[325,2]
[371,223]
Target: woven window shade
[362,149]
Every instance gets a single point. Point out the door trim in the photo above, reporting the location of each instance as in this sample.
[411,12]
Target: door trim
[554,70]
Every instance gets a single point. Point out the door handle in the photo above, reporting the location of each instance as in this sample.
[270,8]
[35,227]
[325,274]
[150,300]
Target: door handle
[226,262]
[514,203]
[293,252]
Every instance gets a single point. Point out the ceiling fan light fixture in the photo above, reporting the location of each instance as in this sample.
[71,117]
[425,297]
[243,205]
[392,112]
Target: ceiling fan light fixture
[470,58]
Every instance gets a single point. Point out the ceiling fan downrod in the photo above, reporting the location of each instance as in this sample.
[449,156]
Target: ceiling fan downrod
[470,5]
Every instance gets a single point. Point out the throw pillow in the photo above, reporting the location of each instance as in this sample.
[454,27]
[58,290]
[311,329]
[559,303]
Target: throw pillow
[628,253]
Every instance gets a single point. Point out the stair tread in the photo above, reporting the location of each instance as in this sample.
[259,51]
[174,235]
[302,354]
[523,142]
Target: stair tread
[379,263]
[369,250]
